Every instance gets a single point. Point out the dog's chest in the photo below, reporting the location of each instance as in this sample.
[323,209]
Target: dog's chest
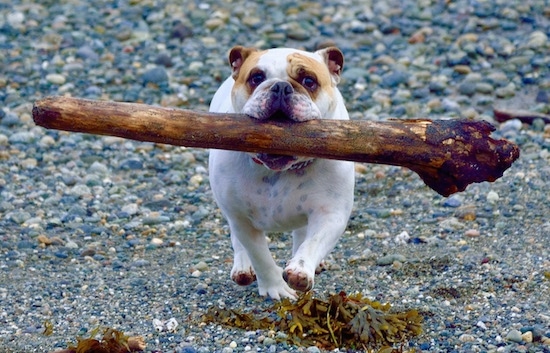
[279,201]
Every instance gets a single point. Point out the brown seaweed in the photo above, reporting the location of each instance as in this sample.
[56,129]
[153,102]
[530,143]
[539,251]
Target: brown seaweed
[342,321]
[113,341]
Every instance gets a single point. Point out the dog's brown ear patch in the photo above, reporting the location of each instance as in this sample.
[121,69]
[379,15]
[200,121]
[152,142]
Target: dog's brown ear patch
[334,60]
[237,56]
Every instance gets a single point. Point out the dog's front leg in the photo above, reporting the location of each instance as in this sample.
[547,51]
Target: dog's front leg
[269,275]
[298,237]
[242,272]
[311,245]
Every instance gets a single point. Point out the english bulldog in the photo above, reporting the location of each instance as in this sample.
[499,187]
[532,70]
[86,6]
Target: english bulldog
[262,192]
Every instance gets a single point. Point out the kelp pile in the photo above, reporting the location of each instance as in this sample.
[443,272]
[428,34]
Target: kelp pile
[340,322]
[113,341]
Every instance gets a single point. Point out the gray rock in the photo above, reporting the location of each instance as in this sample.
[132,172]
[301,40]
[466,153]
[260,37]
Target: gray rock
[467,88]
[156,75]
[152,220]
[390,259]
[484,88]
[87,53]
[514,336]
[10,119]
[98,168]
[394,79]
[25,137]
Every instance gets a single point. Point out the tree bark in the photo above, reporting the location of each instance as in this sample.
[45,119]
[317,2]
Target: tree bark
[447,154]
[525,116]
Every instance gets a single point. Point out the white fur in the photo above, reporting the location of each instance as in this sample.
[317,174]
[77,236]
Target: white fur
[314,202]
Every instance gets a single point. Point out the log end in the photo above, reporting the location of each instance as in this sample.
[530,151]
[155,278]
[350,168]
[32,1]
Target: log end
[473,156]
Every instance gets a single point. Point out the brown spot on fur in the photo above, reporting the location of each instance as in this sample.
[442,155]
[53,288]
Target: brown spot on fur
[243,60]
[300,66]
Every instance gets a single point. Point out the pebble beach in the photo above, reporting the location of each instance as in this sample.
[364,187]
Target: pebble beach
[98,231]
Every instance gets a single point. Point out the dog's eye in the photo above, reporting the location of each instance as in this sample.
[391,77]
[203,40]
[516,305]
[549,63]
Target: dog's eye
[309,82]
[256,79]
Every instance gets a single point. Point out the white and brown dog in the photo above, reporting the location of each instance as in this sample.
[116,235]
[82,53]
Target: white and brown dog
[263,192]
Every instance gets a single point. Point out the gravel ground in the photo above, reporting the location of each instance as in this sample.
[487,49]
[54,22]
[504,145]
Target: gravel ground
[99,231]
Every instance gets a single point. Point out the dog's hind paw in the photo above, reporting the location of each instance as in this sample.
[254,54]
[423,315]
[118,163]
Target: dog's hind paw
[298,280]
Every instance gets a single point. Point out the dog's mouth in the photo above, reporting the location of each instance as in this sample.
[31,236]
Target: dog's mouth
[280,162]
[279,116]
[277,162]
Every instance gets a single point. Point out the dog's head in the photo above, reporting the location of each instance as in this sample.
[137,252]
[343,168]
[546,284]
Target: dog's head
[285,84]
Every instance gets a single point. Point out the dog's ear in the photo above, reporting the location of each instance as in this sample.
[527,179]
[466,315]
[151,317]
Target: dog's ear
[237,56]
[334,60]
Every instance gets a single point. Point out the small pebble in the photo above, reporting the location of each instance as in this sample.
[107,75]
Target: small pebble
[402,238]
[10,119]
[492,197]
[527,337]
[25,137]
[140,263]
[268,341]
[15,18]
[511,125]
[29,163]
[462,69]
[98,168]
[453,201]
[71,245]
[467,88]
[514,336]
[155,219]
[157,75]
[45,141]
[56,79]
[390,259]
[537,39]
[157,241]
[484,88]
[130,209]
[481,325]
[201,266]
[44,239]
[467,338]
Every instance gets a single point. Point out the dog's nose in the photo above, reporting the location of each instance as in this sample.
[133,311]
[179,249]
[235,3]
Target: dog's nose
[282,89]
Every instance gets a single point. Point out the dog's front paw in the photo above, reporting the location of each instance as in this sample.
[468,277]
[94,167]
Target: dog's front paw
[277,290]
[298,280]
[243,277]
[322,267]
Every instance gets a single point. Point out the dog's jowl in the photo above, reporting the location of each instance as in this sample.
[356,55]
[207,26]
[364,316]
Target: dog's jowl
[264,192]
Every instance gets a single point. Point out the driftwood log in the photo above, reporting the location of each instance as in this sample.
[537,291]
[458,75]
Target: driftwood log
[525,116]
[447,154]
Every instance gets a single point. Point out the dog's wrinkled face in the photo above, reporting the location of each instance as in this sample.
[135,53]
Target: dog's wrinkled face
[285,84]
